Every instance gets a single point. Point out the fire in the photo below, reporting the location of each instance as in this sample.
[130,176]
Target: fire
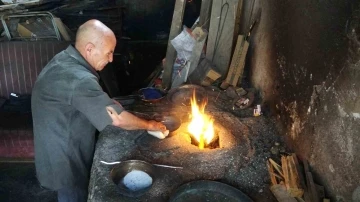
[201,126]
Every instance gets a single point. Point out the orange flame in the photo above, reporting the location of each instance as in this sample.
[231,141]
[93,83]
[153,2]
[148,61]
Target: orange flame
[201,126]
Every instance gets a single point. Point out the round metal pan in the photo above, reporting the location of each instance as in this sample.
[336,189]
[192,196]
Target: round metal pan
[151,95]
[123,168]
[206,190]
[183,94]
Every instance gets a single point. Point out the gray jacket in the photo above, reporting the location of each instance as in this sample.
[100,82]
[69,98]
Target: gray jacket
[68,105]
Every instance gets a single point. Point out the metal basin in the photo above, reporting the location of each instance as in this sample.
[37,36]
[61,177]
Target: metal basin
[118,173]
[206,190]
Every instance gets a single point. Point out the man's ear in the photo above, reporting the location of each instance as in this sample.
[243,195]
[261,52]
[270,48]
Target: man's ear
[89,48]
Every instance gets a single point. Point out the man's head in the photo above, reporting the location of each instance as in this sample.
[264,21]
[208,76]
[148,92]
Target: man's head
[96,43]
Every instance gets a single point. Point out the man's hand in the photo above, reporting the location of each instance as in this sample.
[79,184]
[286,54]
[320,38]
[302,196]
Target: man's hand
[156,126]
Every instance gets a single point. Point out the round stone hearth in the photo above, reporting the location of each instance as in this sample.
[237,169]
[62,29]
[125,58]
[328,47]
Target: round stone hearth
[234,148]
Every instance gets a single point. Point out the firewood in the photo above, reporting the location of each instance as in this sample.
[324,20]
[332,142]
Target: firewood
[271,173]
[285,171]
[299,171]
[277,167]
[295,187]
[288,175]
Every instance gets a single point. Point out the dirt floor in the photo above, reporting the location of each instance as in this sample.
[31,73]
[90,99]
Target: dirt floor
[19,184]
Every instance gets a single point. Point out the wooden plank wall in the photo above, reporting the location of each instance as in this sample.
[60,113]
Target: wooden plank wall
[21,62]
[221,35]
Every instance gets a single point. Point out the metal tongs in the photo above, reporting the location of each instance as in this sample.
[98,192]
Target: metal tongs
[159,165]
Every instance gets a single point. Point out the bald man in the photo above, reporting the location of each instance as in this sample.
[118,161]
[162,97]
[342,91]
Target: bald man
[68,105]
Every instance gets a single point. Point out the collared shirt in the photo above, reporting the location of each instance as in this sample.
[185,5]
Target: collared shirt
[68,105]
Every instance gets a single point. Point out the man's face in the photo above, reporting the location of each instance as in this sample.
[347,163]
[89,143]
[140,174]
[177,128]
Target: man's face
[102,54]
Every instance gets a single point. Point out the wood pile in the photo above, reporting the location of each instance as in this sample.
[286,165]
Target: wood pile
[289,184]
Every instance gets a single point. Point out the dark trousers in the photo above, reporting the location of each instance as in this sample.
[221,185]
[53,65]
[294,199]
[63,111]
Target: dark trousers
[72,194]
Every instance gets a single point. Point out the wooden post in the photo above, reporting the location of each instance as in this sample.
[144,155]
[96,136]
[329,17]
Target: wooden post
[237,63]
[62,29]
[237,20]
[176,27]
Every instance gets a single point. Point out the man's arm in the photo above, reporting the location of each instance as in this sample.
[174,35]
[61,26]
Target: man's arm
[129,121]
[95,104]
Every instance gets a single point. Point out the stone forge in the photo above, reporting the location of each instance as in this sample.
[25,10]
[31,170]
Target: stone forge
[230,147]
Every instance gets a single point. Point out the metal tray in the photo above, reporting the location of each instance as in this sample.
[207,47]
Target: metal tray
[206,190]
[183,94]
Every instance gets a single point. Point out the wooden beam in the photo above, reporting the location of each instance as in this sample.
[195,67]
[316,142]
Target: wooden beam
[176,27]
[237,52]
[285,171]
[62,29]
[238,19]
[299,171]
[237,65]
[295,188]
[241,65]
[205,14]
[221,34]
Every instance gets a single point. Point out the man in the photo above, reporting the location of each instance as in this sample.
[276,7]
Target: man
[68,105]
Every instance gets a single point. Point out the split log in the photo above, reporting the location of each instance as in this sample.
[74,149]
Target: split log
[288,175]
[295,188]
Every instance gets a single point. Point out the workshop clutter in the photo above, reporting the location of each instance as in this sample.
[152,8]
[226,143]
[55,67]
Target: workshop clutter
[211,50]
[210,53]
